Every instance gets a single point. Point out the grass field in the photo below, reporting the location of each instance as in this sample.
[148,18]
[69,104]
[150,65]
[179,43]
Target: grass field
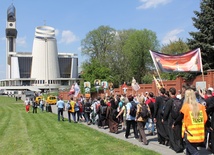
[41,134]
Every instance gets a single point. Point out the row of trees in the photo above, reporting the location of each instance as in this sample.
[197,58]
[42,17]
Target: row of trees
[119,55]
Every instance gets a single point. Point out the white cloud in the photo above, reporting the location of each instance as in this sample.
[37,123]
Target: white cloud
[171,36]
[152,3]
[68,37]
[21,41]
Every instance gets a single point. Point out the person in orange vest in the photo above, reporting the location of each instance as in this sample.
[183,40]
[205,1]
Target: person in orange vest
[194,118]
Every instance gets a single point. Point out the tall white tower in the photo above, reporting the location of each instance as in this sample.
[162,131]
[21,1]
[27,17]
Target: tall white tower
[45,64]
[12,70]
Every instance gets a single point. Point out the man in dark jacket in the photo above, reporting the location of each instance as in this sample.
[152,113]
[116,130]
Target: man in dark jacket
[174,134]
[210,114]
[159,106]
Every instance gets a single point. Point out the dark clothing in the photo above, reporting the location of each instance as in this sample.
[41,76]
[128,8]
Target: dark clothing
[175,138]
[34,105]
[191,148]
[151,102]
[101,120]
[87,117]
[102,116]
[87,111]
[113,126]
[141,131]
[77,116]
[110,118]
[130,123]
[69,116]
[161,127]
[210,122]
[60,112]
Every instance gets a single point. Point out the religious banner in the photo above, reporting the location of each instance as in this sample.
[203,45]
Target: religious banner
[104,84]
[87,86]
[97,84]
[185,62]
[111,87]
[135,85]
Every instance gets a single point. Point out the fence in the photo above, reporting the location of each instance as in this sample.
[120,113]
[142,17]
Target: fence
[177,84]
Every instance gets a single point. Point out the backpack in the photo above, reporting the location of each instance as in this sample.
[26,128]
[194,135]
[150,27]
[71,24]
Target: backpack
[97,105]
[176,107]
[87,107]
[77,107]
[103,109]
[145,112]
[68,106]
[133,109]
[163,107]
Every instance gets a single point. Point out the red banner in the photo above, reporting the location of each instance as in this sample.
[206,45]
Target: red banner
[185,62]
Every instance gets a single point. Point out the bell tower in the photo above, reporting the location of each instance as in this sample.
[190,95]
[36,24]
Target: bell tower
[11,34]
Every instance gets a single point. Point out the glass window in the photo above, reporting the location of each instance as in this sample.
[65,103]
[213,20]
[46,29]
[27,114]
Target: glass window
[25,66]
[65,67]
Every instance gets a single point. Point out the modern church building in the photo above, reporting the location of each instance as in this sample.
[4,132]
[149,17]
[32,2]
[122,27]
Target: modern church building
[42,69]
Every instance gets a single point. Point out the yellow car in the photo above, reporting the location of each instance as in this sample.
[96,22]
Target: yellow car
[38,98]
[51,100]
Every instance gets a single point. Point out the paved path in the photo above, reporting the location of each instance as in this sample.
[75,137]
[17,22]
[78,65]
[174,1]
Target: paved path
[153,143]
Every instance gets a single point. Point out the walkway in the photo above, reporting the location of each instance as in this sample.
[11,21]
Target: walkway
[153,143]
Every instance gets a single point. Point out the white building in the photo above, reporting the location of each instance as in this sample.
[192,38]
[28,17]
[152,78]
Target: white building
[42,69]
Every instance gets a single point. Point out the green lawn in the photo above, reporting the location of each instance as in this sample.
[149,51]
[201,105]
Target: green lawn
[36,134]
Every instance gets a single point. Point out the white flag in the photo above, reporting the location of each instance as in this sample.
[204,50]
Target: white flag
[76,89]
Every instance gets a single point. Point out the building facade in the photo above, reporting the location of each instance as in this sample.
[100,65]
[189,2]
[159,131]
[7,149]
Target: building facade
[44,68]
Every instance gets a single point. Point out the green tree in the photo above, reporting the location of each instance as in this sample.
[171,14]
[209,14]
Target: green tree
[136,49]
[98,43]
[175,47]
[92,72]
[117,56]
[119,61]
[204,37]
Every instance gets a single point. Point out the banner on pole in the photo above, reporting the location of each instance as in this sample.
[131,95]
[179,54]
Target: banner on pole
[185,62]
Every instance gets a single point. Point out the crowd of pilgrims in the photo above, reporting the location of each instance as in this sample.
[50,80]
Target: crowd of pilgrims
[114,113]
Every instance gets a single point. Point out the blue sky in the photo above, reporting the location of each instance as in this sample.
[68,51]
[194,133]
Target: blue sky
[73,19]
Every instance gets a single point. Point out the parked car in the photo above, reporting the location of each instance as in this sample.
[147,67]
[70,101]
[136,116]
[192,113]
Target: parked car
[51,100]
[38,98]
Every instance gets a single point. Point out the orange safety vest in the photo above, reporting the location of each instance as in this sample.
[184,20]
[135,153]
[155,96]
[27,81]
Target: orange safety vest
[194,128]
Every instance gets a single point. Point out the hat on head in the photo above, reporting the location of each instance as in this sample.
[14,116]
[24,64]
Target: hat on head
[210,88]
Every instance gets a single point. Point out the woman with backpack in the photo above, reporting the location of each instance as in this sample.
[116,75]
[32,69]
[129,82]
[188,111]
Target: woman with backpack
[130,117]
[143,113]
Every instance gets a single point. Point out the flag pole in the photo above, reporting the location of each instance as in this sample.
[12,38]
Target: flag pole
[160,78]
[157,84]
[202,71]
[156,68]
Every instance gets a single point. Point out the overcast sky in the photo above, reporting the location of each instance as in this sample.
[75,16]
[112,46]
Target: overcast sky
[73,19]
